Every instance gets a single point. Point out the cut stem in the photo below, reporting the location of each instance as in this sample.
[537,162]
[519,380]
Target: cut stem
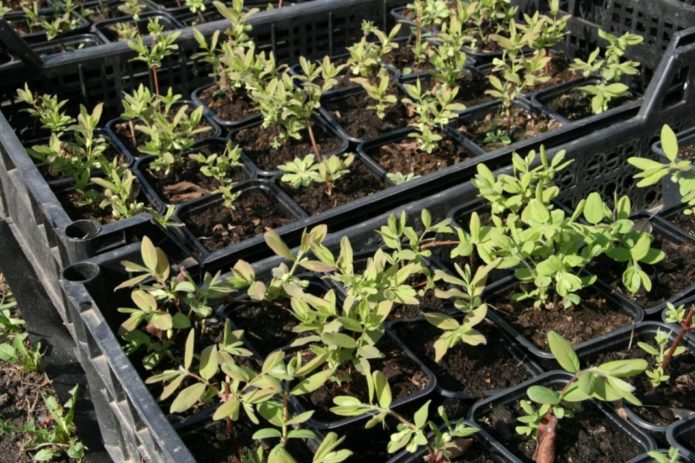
[685,327]
[314,146]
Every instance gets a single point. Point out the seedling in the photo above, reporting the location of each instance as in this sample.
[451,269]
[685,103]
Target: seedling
[603,382]
[65,20]
[516,71]
[433,110]
[445,54]
[289,108]
[672,456]
[441,443]
[467,300]
[47,109]
[60,440]
[550,30]
[399,178]
[301,173]
[366,56]
[662,352]
[610,68]
[427,13]
[487,17]
[680,171]
[120,193]
[379,91]
[153,56]
[497,136]
[218,166]
[19,352]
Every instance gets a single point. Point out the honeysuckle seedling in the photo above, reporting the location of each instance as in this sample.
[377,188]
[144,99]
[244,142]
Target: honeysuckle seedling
[366,56]
[47,109]
[610,68]
[671,456]
[379,91]
[64,20]
[162,46]
[302,172]
[680,171]
[132,8]
[662,352]
[488,17]
[427,13]
[218,166]
[445,54]
[546,407]
[433,110]
[466,290]
[399,178]
[120,192]
[497,136]
[550,30]
[288,107]
[441,444]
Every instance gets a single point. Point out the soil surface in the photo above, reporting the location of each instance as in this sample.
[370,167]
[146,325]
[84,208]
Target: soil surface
[660,404]
[256,143]
[686,152]
[358,183]
[576,105]
[525,124]
[686,222]
[587,437]
[669,277]
[253,213]
[402,58]
[494,365]
[188,183]
[404,376]
[70,201]
[559,71]
[405,156]
[593,317]
[362,123]
[267,325]
[226,105]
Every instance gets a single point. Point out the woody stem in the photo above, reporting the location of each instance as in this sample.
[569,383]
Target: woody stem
[685,326]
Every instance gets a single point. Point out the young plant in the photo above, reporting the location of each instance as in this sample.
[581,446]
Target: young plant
[672,456]
[550,30]
[433,110]
[379,91]
[546,407]
[289,108]
[445,54]
[680,171]
[153,56]
[442,444]
[218,166]
[662,352]
[467,300]
[428,13]
[18,351]
[516,71]
[59,440]
[367,55]
[47,109]
[301,173]
[120,192]
[399,178]
[64,20]
[610,68]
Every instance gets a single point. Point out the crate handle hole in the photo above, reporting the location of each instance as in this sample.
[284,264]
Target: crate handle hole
[82,272]
[83,229]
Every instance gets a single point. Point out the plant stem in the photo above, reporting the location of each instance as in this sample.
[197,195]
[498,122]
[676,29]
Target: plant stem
[433,244]
[285,414]
[132,133]
[155,79]
[314,146]
[685,327]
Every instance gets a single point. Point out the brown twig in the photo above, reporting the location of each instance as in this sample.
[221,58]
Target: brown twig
[685,327]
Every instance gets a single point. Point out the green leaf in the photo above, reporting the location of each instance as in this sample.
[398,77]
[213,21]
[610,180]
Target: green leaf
[279,455]
[624,368]
[149,254]
[301,434]
[311,383]
[274,242]
[208,362]
[187,398]
[587,383]
[669,143]
[441,321]
[382,389]
[189,350]
[594,208]
[563,352]
[339,340]
[228,409]
[543,395]
[420,417]
[267,433]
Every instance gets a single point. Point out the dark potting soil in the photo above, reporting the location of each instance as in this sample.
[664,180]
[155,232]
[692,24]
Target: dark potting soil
[686,222]
[256,143]
[402,58]
[494,365]
[103,12]
[405,157]
[360,182]
[188,183]
[428,303]
[669,277]
[359,122]
[587,437]
[687,152]
[559,72]
[253,213]
[70,201]
[576,105]
[688,440]
[593,317]
[404,376]
[525,124]
[267,325]
[227,105]
[659,403]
